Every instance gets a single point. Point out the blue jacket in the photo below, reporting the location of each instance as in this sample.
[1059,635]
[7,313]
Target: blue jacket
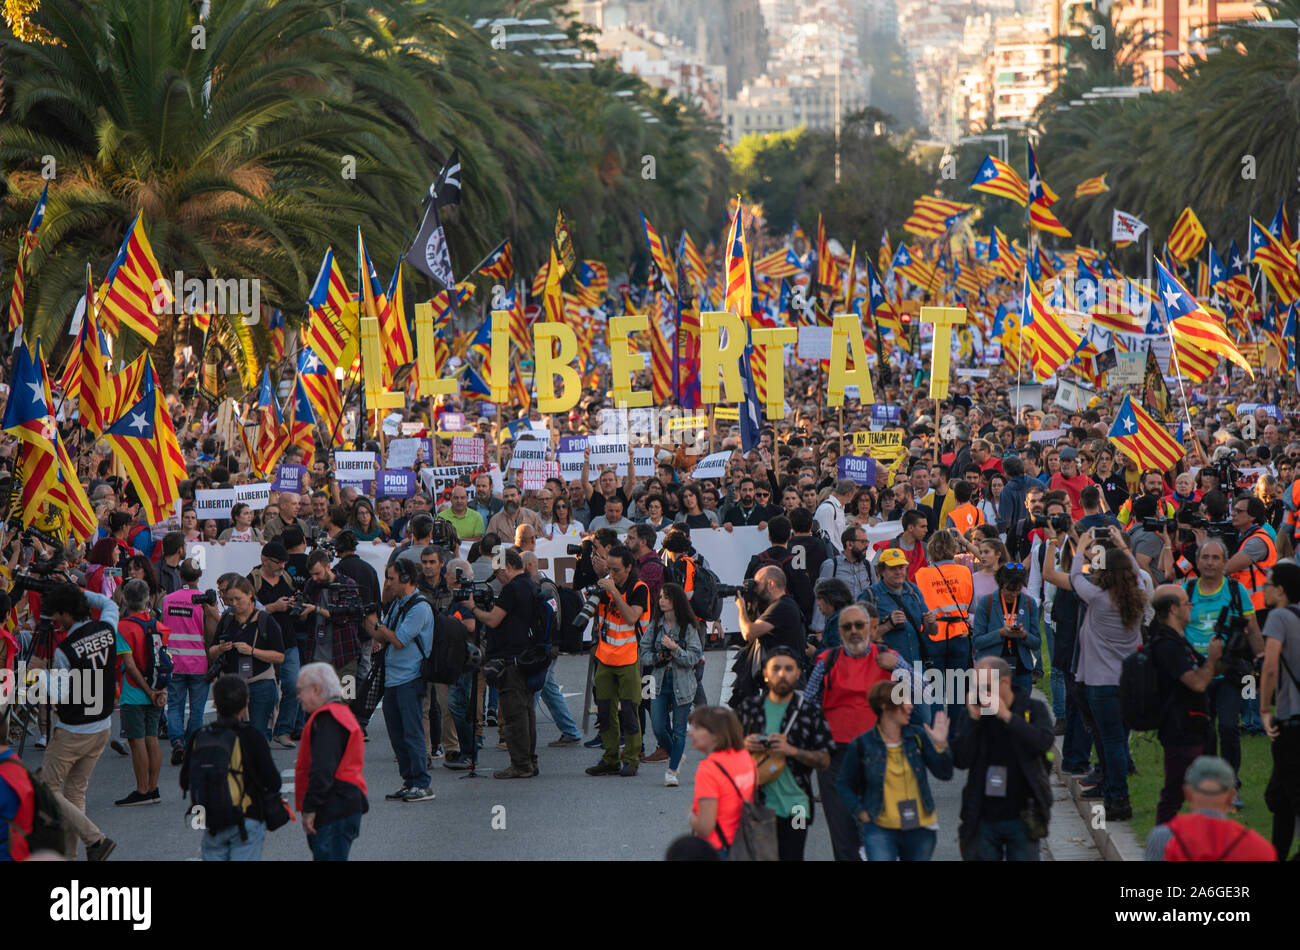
[861,782]
[988,618]
[904,641]
[1012,503]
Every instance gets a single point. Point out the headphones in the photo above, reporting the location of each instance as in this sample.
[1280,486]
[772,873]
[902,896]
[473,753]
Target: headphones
[408,572]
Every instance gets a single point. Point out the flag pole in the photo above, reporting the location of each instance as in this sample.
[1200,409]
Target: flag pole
[1169,328]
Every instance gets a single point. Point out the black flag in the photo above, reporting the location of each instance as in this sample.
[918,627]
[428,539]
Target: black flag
[446,187]
[430,254]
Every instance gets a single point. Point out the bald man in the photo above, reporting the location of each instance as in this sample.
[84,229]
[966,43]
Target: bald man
[778,623]
[274,525]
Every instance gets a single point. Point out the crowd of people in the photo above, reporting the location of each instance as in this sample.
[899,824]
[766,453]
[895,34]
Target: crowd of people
[1016,555]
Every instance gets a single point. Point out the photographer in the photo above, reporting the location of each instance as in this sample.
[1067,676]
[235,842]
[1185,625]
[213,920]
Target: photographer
[1221,606]
[1153,487]
[407,623]
[192,618]
[247,643]
[332,614]
[1184,676]
[1255,555]
[507,622]
[780,623]
[275,594]
[350,564]
[620,615]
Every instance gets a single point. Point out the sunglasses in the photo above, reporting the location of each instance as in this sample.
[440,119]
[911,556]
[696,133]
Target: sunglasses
[853,625]
[763,494]
[1016,567]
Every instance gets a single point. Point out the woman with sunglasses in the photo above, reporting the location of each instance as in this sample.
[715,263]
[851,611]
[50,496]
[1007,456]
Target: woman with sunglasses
[562,524]
[1006,625]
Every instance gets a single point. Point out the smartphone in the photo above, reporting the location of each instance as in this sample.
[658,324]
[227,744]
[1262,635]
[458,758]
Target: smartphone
[1101,534]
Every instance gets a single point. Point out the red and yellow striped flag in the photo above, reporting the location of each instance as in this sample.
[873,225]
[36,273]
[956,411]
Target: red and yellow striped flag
[1091,186]
[135,291]
[1187,237]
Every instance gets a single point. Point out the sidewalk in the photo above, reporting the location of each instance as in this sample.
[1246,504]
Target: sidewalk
[1114,841]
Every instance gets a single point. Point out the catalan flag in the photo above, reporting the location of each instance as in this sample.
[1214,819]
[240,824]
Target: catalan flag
[915,268]
[302,423]
[1276,261]
[323,391]
[1052,342]
[331,314]
[1195,332]
[1038,189]
[778,265]
[514,303]
[686,343]
[661,366]
[1215,271]
[553,294]
[1091,186]
[1143,439]
[499,264]
[29,413]
[17,302]
[145,441]
[1187,237]
[695,269]
[1280,227]
[473,386]
[1002,255]
[519,388]
[739,299]
[71,497]
[878,304]
[134,292]
[998,178]
[825,262]
[86,378]
[658,248]
[272,437]
[592,282]
[1041,217]
[932,216]
[394,331]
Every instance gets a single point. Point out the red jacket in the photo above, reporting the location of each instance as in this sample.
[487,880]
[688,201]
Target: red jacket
[1204,838]
[351,766]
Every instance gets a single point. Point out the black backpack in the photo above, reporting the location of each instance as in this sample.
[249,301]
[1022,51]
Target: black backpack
[568,636]
[536,658]
[158,665]
[450,650]
[210,756]
[1144,693]
[704,593]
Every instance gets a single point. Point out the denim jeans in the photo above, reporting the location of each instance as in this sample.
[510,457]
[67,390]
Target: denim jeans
[840,823]
[458,706]
[261,703]
[670,737]
[183,688]
[553,696]
[1057,676]
[1108,722]
[226,844]
[1250,721]
[890,844]
[1225,706]
[1076,749]
[333,840]
[1006,840]
[287,721]
[405,721]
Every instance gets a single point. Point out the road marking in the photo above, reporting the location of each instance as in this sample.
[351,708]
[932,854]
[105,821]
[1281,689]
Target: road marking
[728,676]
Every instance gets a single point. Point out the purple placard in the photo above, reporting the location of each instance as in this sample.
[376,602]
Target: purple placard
[395,483]
[860,468]
[290,478]
[573,443]
[451,422]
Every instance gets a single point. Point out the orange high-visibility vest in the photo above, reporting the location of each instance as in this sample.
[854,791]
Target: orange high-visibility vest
[966,516]
[1252,578]
[618,638]
[947,589]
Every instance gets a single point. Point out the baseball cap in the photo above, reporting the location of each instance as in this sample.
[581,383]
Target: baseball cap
[1068,453]
[1210,769]
[893,557]
[275,550]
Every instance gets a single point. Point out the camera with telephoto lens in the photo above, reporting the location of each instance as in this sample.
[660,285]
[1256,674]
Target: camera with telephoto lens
[573,549]
[747,592]
[1159,524]
[208,597]
[324,542]
[1238,655]
[1226,469]
[440,533]
[39,577]
[345,601]
[477,591]
[590,602]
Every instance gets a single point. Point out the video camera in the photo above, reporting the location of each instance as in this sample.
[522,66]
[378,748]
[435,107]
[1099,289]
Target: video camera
[479,592]
[324,542]
[39,577]
[1226,468]
[1238,654]
[1059,522]
[441,533]
[208,597]
[1159,524]
[747,592]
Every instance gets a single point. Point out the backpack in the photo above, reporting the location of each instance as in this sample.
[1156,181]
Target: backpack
[704,597]
[569,635]
[46,832]
[210,774]
[450,649]
[798,584]
[755,835]
[536,658]
[158,659]
[1142,698]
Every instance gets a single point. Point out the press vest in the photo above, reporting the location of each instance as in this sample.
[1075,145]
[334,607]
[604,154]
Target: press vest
[947,588]
[90,649]
[1252,578]
[618,638]
[966,517]
[351,767]
[1205,838]
[185,619]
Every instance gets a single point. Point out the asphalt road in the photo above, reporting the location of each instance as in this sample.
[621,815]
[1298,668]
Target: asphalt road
[563,814]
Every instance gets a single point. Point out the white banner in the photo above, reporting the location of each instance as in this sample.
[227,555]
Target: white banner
[256,496]
[712,466]
[214,503]
[1073,395]
[643,458]
[814,343]
[402,452]
[608,450]
[1046,435]
[1125,226]
[528,450]
[354,468]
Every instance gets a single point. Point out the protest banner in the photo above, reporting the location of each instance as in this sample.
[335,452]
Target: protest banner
[1028,395]
[1130,370]
[469,451]
[571,465]
[395,483]
[533,475]
[256,496]
[214,503]
[527,450]
[861,469]
[814,343]
[402,452]
[712,466]
[643,460]
[1047,436]
[290,478]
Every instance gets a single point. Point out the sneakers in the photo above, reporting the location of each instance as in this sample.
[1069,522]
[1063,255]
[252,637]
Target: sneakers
[459,764]
[670,779]
[592,743]
[399,794]
[605,768]
[1119,809]
[284,742]
[628,770]
[437,753]
[513,772]
[491,719]
[117,746]
[659,755]
[137,798]
[155,797]
[100,850]
[418,793]
[564,740]
[178,755]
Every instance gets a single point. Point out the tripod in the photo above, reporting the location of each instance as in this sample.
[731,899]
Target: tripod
[27,713]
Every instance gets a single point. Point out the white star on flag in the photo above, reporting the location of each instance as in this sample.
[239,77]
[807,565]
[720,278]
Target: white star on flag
[312,361]
[38,392]
[1128,423]
[1171,297]
[138,422]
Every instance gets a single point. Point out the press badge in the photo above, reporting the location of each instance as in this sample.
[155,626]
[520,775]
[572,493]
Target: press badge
[908,817]
[995,781]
